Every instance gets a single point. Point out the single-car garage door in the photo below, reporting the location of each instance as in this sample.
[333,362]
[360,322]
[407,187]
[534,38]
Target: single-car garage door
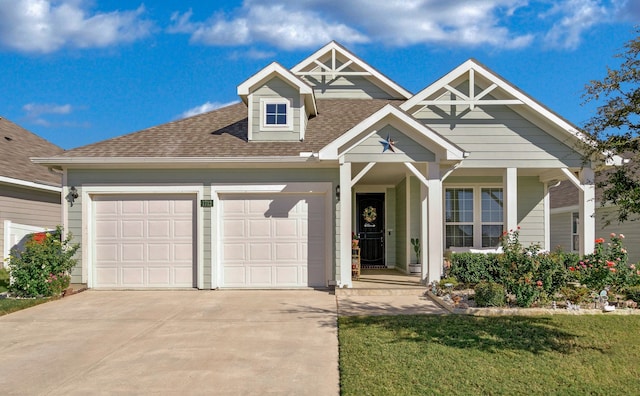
[273,241]
[144,241]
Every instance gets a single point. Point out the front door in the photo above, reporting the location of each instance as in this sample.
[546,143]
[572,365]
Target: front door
[370,226]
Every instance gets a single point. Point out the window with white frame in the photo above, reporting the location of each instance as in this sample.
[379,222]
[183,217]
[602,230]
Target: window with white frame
[473,216]
[276,113]
[575,233]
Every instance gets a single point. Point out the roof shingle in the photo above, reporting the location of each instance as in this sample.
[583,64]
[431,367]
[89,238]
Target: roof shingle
[17,145]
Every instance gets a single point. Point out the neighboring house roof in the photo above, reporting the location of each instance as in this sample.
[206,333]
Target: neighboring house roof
[223,133]
[17,146]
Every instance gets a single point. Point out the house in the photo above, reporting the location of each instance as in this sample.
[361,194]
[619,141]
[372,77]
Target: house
[29,193]
[267,193]
[565,221]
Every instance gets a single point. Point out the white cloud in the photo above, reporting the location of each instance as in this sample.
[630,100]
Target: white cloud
[205,107]
[34,111]
[44,26]
[576,17]
[291,24]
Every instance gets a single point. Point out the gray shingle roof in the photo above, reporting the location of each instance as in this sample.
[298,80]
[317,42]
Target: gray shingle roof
[17,145]
[223,133]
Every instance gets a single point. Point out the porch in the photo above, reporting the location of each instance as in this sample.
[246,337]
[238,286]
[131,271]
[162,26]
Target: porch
[384,282]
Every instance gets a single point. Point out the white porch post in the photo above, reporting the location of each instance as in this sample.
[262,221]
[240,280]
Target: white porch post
[511,198]
[587,211]
[432,225]
[345,225]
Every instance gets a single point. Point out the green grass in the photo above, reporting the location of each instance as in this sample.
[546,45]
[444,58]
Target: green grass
[464,355]
[8,305]
[4,280]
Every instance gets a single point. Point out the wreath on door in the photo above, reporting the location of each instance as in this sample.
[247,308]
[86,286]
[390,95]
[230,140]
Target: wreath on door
[369,214]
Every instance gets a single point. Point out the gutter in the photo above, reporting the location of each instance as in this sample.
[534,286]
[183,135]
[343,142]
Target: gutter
[28,184]
[52,161]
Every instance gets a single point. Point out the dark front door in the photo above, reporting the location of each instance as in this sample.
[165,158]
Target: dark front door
[370,226]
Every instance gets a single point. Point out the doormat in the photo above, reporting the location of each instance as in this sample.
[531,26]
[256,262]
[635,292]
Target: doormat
[373,266]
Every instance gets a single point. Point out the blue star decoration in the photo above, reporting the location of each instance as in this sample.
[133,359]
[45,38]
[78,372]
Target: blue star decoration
[388,144]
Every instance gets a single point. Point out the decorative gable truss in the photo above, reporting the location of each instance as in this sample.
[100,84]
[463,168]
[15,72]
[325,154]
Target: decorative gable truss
[279,104]
[335,72]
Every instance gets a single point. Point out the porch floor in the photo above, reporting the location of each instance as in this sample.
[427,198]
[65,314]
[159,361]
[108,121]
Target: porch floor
[385,282]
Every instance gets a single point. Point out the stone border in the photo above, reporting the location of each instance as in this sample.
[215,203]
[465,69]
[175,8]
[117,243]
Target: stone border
[525,311]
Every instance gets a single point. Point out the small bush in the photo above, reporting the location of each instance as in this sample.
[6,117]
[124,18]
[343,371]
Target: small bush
[472,268]
[42,268]
[633,293]
[489,294]
[576,295]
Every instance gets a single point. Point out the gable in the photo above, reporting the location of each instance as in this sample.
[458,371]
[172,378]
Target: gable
[334,72]
[405,149]
[276,91]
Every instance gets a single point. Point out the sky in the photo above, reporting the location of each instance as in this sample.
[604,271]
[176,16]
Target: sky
[80,71]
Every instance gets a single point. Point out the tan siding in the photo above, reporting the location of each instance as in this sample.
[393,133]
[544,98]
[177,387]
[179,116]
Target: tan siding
[496,136]
[29,207]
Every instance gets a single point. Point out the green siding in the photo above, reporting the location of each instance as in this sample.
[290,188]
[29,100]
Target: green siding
[561,231]
[496,136]
[629,229]
[407,149]
[531,210]
[497,180]
[344,87]
[276,88]
[401,225]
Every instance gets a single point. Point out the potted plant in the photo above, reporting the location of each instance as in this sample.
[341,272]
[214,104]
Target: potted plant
[355,240]
[417,248]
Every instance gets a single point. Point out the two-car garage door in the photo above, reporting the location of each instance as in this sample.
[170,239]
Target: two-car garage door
[266,241]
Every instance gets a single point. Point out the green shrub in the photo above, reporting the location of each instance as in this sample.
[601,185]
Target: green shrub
[489,294]
[472,268]
[576,295]
[633,293]
[42,268]
[607,266]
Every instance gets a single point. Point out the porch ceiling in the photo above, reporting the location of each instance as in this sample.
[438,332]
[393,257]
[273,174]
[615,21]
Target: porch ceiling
[381,173]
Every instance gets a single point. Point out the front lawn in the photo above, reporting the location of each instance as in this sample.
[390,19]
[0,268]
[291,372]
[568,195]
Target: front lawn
[465,355]
[8,305]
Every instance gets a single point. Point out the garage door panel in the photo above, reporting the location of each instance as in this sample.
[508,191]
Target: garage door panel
[132,252]
[132,229]
[265,240]
[132,207]
[141,241]
[233,228]
[260,228]
[287,251]
[260,251]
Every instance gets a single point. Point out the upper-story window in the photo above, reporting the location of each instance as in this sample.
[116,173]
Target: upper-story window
[276,113]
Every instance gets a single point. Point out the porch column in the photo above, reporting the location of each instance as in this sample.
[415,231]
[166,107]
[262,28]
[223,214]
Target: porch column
[587,211]
[432,226]
[345,226]
[511,198]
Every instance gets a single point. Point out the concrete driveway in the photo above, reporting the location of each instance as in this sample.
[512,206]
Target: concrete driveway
[173,342]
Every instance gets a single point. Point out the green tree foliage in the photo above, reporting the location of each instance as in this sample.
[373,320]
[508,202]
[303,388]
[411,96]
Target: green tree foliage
[616,129]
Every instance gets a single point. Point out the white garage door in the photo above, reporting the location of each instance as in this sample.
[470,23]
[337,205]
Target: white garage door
[144,241]
[273,241]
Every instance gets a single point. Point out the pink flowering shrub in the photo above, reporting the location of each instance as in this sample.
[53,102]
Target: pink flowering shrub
[607,266]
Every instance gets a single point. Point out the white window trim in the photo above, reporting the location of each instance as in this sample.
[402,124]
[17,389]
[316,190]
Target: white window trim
[477,211]
[576,233]
[263,114]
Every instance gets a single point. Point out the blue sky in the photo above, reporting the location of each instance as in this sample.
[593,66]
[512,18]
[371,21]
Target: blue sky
[79,71]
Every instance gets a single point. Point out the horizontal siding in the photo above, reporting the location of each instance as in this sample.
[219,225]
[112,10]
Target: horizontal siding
[344,87]
[406,149]
[561,231]
[630,229]
[276,88]
[531,211]
[496,136]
